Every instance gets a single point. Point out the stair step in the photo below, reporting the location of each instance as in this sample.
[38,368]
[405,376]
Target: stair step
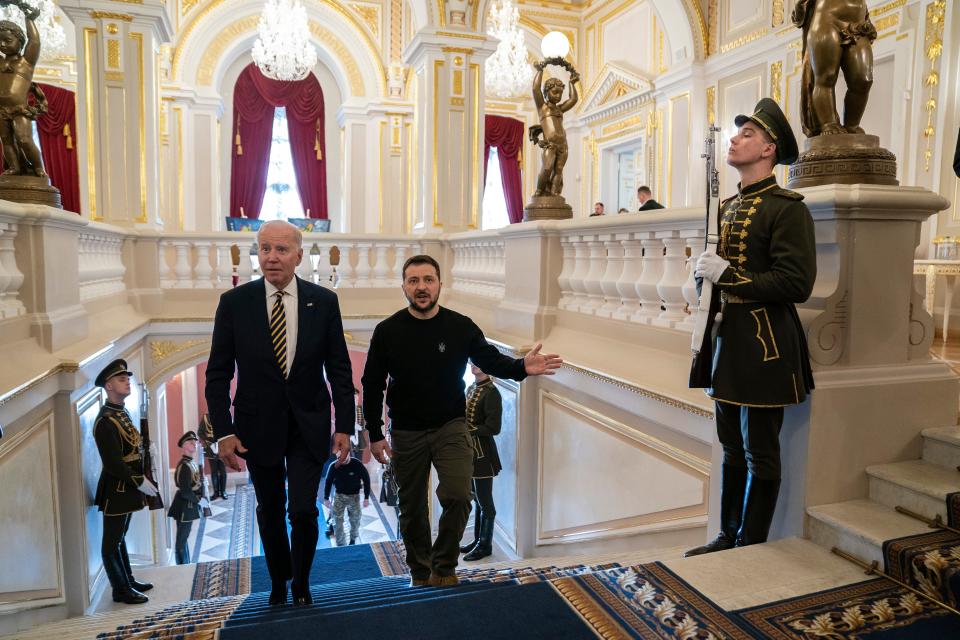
[915,484]
[860,527]
[941,446]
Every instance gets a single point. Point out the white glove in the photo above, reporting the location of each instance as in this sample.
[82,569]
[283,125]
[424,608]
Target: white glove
[147,487]
[710,266]
[204,503]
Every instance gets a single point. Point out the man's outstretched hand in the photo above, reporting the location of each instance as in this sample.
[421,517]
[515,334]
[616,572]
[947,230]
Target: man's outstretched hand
[229,448]
[381,451]
[541,364]
[341,447]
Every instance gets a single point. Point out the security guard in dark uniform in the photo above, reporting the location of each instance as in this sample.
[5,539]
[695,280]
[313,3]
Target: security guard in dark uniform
[218,469]
[122,488]
[764,264]
[483,416]
[185,507]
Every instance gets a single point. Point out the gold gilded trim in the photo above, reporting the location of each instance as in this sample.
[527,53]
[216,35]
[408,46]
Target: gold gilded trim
[180,196]
[160,350]
[138,39]
[756,313]
[437,65]
[89,45]
[110,15]
[383,125]
[476,186]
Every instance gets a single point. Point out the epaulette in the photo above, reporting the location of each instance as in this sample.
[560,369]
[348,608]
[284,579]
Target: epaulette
[787,193]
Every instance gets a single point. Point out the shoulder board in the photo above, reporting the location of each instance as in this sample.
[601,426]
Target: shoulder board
[787,193]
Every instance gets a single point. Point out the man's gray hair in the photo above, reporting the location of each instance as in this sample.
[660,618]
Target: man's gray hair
[297,235]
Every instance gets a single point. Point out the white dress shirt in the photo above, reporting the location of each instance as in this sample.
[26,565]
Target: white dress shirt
[290,309]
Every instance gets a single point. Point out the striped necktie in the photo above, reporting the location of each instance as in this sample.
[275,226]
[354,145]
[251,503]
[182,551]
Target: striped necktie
[278,332]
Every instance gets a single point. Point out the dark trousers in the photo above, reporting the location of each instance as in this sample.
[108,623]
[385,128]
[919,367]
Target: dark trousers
[218,476]
[289,558]
[450,450]
[113,551]
[483,497]
[751,438]
[181,549]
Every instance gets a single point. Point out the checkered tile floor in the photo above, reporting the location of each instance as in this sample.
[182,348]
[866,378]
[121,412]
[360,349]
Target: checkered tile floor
[378,524]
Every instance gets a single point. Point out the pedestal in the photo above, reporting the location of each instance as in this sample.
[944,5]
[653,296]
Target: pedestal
[29,190]
[547,208]
[843,159]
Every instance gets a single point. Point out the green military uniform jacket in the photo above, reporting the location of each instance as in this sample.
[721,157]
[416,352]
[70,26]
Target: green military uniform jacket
[121,452]
[484,409]
[760,354]
[186,502]
[209,441]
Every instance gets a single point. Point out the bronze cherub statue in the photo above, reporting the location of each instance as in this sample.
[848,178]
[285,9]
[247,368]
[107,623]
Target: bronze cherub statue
[551,110]
[20,52]
[837,37]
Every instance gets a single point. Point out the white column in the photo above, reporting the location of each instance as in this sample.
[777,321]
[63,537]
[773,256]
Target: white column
[647,284]
[591,282]
[670,286]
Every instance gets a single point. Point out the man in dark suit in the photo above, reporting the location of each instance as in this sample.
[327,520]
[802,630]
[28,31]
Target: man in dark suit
[281,333]
[645,198]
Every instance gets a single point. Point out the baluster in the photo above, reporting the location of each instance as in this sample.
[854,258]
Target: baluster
[611,275]
[325,271]
[305,268]
[695,245]
[167,277]
[224,265]
[347,272]
[629,275]
[245,271]
[401,257]
[182,265]
[380,267]
[11,278]
[500,257]
[581,266]
[591,282]
[652,262]
[563,280]
[486,270]
[203,273]
[670,286]
[363,264]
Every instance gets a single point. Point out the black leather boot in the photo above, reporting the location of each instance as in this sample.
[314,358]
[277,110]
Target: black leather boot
[134,583]
[477,519]
[484,545]
[733,486]
[759,506]
[122,591]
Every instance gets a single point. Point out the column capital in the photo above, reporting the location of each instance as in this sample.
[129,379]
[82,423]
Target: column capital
[151,14]
[433,43]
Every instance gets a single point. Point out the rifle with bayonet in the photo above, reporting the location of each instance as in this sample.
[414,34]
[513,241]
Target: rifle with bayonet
[153,502]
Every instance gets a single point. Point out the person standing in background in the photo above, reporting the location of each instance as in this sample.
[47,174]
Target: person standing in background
[187,502]
[218,470]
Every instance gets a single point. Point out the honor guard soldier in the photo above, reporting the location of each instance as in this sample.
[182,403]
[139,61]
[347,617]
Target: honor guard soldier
[122,488]
[188,500]
[483,416]
[765,264]
[218,468]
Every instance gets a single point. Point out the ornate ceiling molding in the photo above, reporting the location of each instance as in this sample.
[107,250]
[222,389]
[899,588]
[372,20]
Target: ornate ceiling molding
[615,90]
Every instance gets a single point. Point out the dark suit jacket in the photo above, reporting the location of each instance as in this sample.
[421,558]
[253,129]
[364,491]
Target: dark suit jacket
[264,400]
[650,204]
[956,159]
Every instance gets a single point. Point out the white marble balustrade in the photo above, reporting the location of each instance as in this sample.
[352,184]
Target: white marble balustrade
[632,267]
[479,264]
[194,261]
[100,265]
[11,278]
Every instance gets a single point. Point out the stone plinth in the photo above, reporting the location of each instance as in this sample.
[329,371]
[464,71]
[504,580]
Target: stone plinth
[547,208]
[29,190]
[843,159]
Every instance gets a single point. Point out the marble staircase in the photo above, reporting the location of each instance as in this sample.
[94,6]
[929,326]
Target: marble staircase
[860,527]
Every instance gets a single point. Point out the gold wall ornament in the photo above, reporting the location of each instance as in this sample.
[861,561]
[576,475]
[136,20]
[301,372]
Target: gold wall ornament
[623,124]
[933,49]
[187,6]
[396,30]
[160,350]
[113,54]
[742,40]
[713,27]
[777,12]
[776,79]
[887,8]
[712,105]
[110,15]
[113,29]
[369,14]
[887,22]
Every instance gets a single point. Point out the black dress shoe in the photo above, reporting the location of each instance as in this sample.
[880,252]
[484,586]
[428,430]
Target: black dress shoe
[130,596]
[140,586]
[301,597]
[278,595]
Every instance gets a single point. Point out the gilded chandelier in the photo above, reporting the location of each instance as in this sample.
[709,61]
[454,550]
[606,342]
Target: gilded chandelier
[283,50]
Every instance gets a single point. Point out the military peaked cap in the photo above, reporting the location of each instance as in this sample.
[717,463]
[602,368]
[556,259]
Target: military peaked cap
[187,437]
[768,116]
[115,368]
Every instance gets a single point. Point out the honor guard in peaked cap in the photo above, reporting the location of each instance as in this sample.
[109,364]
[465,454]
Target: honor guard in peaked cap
[769,116]
[115,368]
[189,435]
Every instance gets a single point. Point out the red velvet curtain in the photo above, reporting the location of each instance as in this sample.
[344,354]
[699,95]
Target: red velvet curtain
[57,129]
[254,99]
[506,134]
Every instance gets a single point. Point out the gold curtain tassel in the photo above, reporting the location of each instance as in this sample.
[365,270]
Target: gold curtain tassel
[520,156]
[239,149]
[236,141]
[66,133]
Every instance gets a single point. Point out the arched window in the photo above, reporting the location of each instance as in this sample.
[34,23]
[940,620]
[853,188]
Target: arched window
[282,198]
[494,210]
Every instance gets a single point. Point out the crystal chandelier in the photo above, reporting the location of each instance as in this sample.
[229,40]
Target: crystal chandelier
[53,40]
[508,73]
[283,50]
